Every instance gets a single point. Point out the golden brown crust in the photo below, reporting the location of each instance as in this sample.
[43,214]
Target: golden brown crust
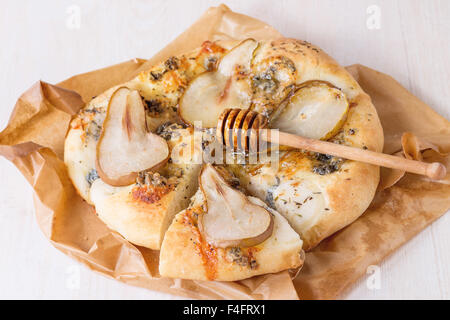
[139,222]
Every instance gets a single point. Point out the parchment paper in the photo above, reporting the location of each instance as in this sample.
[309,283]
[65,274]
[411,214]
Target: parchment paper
[403,206]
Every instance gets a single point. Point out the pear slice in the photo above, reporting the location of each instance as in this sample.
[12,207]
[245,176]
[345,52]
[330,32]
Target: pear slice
[316,111]
[125,146]
[239,57]
[212,92]
[231,219]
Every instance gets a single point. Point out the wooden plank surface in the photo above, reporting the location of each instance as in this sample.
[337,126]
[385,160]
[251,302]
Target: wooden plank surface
[42,40]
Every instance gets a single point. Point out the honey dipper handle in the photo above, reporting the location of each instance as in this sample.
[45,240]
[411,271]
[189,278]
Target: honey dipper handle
[435,171]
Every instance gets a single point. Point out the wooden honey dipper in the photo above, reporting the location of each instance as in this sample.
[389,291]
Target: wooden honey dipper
[242,129]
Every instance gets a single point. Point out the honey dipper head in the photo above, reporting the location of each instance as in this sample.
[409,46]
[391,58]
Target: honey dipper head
[238,129]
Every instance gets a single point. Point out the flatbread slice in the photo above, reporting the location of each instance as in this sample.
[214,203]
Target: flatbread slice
[142,212]
[185,253]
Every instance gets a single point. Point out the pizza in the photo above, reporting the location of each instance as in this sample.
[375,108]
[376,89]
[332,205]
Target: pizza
[141,154]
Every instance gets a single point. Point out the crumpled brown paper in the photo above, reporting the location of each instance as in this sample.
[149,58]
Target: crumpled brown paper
[403,206]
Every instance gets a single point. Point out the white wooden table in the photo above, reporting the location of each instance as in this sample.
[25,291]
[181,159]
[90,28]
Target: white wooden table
[41,41]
